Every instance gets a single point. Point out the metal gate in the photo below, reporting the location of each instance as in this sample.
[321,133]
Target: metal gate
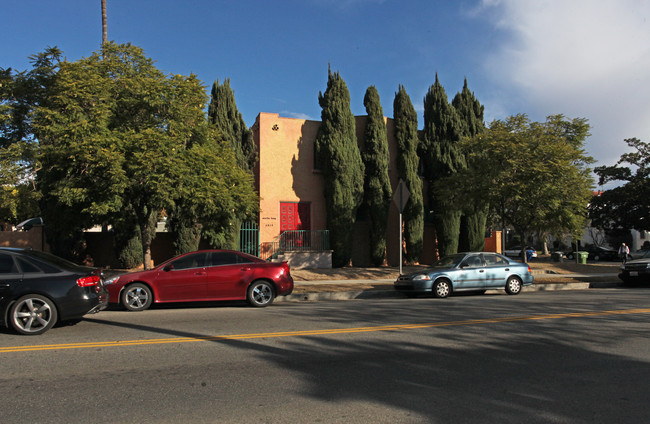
[249,238]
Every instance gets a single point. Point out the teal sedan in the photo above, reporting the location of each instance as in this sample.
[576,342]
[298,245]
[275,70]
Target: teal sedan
[476,271]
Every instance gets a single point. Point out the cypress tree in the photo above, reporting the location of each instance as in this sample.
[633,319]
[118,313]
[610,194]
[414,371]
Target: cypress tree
[406,135]
[337,155]
[223,113]
[442,158]
[377,190]
[472,223]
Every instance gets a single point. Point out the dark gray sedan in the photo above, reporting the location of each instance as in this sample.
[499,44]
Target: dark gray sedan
[635,271]
[467,271]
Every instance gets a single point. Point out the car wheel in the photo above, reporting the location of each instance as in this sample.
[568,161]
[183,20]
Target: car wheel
[569,255]
[136,297]
[260,294]
[596,258]
[33,314]
[442,289]
[513,285]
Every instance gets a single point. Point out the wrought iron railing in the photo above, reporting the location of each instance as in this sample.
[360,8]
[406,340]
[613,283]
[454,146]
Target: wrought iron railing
[296,241]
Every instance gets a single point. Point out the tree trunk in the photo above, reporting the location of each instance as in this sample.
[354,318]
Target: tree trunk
[104,24]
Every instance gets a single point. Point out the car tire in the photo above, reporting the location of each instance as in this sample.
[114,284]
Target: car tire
[260,294]
[596,258]
[513,285]
[442,288]
[569,256]
[136,297]
[33,314]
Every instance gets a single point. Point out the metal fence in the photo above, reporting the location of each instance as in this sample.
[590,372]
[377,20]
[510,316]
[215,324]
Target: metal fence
[249,238]
[296,241]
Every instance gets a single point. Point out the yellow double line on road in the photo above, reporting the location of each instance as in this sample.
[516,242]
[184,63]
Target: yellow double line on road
[123,343]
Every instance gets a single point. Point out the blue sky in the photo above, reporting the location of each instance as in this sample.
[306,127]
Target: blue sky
[580,58]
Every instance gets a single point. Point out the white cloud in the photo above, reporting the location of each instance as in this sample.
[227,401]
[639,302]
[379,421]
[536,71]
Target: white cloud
[296,115]
[582,58]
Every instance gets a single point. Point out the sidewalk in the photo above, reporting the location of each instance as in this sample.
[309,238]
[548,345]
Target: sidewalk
[367,283]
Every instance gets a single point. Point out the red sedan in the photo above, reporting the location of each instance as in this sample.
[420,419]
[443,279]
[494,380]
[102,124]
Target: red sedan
[204,275]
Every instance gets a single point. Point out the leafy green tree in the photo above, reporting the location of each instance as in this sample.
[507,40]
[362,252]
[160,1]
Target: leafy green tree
[626,206]
[337,155]
[534,176]
[406,135]
[377,190]
[442,158]
[473,220]
[114,135]
[213,204]
[20,92]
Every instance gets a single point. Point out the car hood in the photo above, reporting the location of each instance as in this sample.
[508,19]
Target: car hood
[432,271]
[638,261]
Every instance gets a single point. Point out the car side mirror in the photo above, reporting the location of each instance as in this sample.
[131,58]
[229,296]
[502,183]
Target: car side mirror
[168,268]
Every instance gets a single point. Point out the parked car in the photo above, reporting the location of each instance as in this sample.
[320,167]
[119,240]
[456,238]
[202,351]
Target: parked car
[27,224]
[204,275]
[467,271]
[515,252]
[596,253]
[639,254]
[38,289]
[635,270]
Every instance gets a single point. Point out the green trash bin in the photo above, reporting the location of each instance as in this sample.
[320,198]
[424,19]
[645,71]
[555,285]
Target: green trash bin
[582,257]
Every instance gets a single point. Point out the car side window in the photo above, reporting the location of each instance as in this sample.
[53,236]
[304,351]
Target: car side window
[224,258]
[28,267]
[196,260]
[494,260]
[473,261]
[7,264]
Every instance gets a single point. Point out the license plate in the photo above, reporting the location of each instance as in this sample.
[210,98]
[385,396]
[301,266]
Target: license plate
[634,274]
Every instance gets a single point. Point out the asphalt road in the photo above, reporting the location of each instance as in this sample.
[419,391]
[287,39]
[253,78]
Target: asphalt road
[546,357]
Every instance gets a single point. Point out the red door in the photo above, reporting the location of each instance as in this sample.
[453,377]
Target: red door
[295,216]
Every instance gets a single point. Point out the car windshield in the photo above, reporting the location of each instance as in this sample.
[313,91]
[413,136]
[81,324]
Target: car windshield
[450,261]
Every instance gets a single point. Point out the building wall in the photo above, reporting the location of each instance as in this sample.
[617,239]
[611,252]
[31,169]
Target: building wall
[285,173]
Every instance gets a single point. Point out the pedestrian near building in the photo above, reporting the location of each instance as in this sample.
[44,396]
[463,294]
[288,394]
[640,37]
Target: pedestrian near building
[623,252]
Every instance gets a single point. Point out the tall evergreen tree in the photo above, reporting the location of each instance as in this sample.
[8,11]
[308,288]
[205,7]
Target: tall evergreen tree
[377,190]
[337,155]
[472,223]
[406,135]
[442,158]
[224,115]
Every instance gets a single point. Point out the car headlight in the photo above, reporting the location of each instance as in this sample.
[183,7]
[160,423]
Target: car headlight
[421,277]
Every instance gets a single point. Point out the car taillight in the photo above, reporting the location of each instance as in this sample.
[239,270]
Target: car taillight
[88,281]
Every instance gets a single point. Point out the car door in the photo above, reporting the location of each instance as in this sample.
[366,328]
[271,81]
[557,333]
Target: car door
[496,270]
[228,275]
[10,277]
[184,279]
[471,273]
